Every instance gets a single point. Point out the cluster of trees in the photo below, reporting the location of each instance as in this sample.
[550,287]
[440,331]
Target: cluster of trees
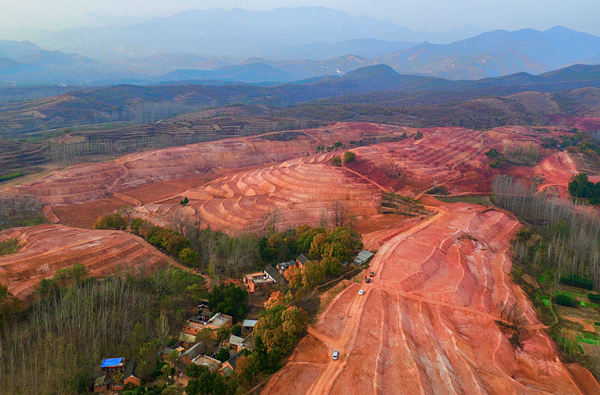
[20,211]
[581,187]
[132,314]
[335,146]
[206,382]
[336,161]
[568,242]
[228,299]
[111,222]
[328,249]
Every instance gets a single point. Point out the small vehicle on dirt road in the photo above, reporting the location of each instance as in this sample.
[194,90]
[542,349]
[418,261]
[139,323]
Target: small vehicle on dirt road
[367,280]
[336,354]
[372,274]
[361,292]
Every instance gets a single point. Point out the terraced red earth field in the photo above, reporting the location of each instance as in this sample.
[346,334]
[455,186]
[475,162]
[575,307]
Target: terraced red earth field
[48,248]
[426,324]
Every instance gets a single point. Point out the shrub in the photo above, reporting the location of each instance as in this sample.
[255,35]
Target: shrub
[113,221]
[184,202]
[594,297]
[236,330]
[492,153]
[564,300]
[577,281]
[418,136]
[349,156]
[335,161]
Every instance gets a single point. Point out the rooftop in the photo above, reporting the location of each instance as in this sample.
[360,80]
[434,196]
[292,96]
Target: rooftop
[219,320]
[208,362]
[249,323]
[302,259]
[363,257]
[236,340]
[112,362]
[260,278]
[130,369]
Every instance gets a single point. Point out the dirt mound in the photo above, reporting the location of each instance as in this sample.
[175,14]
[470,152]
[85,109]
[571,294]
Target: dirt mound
[426,323]
[48,248]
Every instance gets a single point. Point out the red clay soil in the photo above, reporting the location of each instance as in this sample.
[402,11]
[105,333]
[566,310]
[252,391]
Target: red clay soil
[301,190]
[556,170]
[426,324]
[85,215]
[44,249]
[92,181]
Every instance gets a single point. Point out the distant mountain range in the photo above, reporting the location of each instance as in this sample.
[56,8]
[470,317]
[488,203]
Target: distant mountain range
[279,47]
[236,32]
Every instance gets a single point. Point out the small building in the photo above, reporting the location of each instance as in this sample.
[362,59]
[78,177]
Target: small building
[275,275]
[205,314]
[301,261]
[228,366]
[248,327]
[186,339]
[111,365]
[103,384]
[188,356]
[363,257]
[210,363]
[256,280]
[248,343]
[236,342]
[219,321]
[283,266]
[130,376]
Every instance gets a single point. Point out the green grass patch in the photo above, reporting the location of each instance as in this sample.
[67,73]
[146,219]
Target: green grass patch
[546,301]
[588,341]
[582,303]
[544,278]
[569,294]
[11,176]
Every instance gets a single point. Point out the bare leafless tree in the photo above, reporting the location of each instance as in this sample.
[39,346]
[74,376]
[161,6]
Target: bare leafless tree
[339,213]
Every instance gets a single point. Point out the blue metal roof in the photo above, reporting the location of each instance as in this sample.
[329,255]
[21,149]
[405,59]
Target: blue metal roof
[111,362]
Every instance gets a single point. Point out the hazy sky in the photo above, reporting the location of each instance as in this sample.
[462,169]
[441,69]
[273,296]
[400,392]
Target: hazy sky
[429,15]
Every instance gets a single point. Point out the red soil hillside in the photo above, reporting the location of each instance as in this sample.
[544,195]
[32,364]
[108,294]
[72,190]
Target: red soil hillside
[48,248]
[299,190]
[426,324]
[92,181]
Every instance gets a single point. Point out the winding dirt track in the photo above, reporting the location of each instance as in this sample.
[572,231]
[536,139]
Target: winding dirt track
[426,324]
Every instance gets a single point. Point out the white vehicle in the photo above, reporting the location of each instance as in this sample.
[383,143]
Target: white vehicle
[361,292]
[336,354]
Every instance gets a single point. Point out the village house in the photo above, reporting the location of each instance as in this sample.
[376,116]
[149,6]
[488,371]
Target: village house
[235,342]
[257,280]
[248,327]
[228,367]
[130,376]
[239,343]
[111,365]
[196,324]
[103,384]
[301,261]
[210,363]
[283,266]
[188,356]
